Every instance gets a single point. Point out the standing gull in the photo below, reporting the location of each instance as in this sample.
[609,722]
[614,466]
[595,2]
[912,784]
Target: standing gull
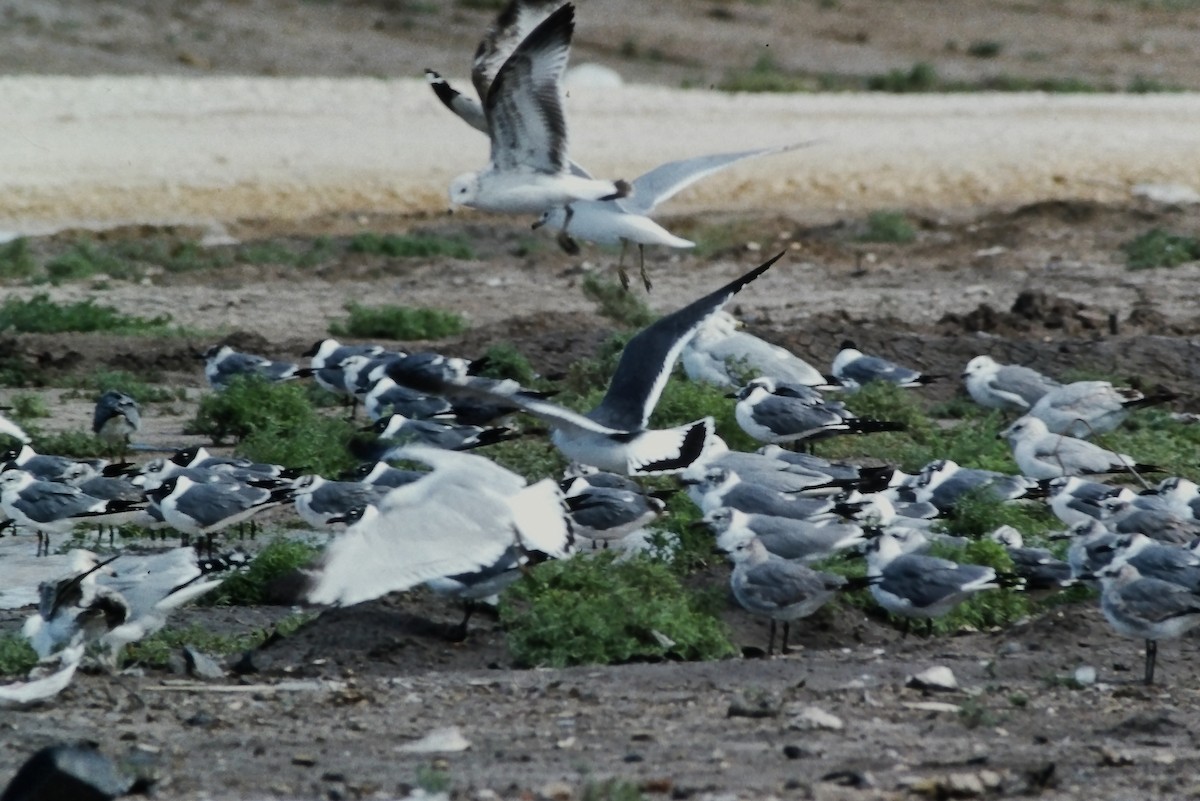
[1146,608]
[776,588]
[1008,387]
[1040,454]
[522,101]
[613,436]
[778,412]
[222,364]
[857,369]
[116,418]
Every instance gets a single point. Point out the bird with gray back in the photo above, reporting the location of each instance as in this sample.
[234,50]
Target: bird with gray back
[1146,608]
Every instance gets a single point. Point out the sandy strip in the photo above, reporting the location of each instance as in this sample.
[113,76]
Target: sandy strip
[104,151]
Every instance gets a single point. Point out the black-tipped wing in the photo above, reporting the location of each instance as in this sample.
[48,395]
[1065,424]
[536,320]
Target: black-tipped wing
[524,104]
[465,108]
[648,358]
[512,26]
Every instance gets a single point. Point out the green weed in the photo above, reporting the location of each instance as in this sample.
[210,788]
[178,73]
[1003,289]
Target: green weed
[764,76]
[610,790]
[27,407]
[981,511]
[16,260]
[77,444]
[83,260]
[888,226]
[41,315]
[987,609]
[133,385]
[533,457]
[432,780]
[1159,248]
[921,77]
[397,322]
[316,443]
[250,403]
[617,304]
[17,657]
[505,361]
[594,610]
[984,48]
[409,246]
[248,587]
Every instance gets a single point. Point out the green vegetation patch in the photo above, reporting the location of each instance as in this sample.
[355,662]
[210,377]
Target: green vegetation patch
[408,246]
[275,423]
[16,260]
[1159,248]
[155,651]
[595,610]
[397,322]
[17,656]
[40,315]
[248,587]
[888,226]
[617,304]
[503,360]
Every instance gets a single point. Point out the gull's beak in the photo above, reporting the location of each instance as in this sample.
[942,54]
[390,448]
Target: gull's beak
[732,394]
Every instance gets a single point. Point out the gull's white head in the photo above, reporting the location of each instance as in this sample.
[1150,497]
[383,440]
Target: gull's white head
[741,545]
[1024,428]
[464,190]
[980,366]
[555,218]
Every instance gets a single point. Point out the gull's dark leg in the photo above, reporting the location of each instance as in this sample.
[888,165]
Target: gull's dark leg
[624,276]
[786,630]
[928,627]
[771,639]
[1151,656]
[642,265]
[905,628]
[460,632]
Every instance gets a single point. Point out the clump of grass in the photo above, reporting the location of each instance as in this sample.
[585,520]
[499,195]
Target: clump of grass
[888,226]
[505,361]
[1154,438]
[133,385]
[533,457]
[249,587]
[617,304]
[397,322]
[764,76]
[77,444]
[594,610]
[28,407]
[1159,248]
[16,260]
[984,48]
[275,423]
[987,609]
[921,77]
[155,651]
[683,401]
[41,315]
[83,260]
[587,375]
[17,657]
[610,790]
[981,511]
[432,780]
[408,246]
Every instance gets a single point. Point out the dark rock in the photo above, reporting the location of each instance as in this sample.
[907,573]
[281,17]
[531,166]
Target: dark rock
[68,773]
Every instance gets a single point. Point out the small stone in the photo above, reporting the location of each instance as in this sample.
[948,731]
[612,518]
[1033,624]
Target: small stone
[936,679]
[201,665]
[555,791]
[1085,675]
[1112,758]
[963,785]
[304,760]
[445,740]
[753,704]
[812,718]
[796,752]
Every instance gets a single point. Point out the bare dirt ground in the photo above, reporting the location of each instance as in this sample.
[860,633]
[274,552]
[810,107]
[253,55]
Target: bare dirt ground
[382,674]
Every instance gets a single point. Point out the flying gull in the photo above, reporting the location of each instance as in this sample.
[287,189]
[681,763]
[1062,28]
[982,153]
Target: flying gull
[528,170]
[613,436]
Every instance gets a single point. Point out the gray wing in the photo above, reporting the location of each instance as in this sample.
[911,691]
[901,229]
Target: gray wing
[524,104]
[787,416]
[926,580]
[1027,384]
[208,504]
[649,357]
[339,497]
[1157,601]
[665,181]
[866,369]
[47,501]
[465,108]
[511,27]
[779,583]
[1075,455]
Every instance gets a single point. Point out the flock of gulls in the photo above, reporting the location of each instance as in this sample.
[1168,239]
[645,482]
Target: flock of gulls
[467,527]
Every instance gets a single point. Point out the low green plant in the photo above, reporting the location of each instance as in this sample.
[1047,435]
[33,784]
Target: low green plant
[248,587]
[83,260]
[1159,248]
[250,403]
[990,608]
[595,610]
[888,227]
[17,657]
[617,304]
[921,77]
[155,651]
[77,444]
[316,443]
[408,246]
[432,780]
[505,361]
[984,48]
[981,511]
[533,457]
[765,76]
[16,260]
[133,385]
[610,790]
[41,315]
[397,322]
[28,407]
